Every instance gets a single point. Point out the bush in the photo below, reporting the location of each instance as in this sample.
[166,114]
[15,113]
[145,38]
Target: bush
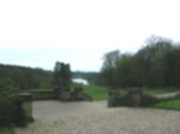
[11,112]
[78,94]
[75,94]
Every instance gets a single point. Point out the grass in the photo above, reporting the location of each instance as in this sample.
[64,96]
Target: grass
[100,93]
[172,104]
[96,92]
[158,91]
[7,131]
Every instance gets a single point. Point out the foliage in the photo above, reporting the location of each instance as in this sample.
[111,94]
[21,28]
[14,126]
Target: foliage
[78,93]
[23,78]
[11,111]
[154,65]
[62,78]
[108,74]
[17,78]
[7,87]
[6,131]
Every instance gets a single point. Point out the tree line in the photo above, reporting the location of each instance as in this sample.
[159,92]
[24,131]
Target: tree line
[18,78]
[22,78]
[91,77]
[155,65]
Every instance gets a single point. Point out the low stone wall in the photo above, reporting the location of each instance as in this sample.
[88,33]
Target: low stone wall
[74,96]
[43,95]
[136,98]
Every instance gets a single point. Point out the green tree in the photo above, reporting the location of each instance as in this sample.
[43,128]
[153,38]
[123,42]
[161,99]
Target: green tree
[109,68]
[155,65]
[152,60]
[173,68]
[62,77]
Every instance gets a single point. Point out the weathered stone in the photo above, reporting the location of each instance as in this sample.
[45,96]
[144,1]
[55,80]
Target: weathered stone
[135,97]
[65,96]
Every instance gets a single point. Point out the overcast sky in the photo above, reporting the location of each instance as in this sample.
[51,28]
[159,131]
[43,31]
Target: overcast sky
[39,32]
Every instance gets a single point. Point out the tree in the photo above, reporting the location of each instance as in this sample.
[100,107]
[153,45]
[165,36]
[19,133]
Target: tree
[62,77]
[155,65]
[152,61]
[125,75]
[24,78]
[108,69]
[173,67]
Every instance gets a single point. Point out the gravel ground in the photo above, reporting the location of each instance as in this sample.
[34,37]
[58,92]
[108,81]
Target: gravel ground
[53,117]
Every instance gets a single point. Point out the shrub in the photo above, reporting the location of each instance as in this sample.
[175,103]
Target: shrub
[75,94]
[78,94]
[11,112]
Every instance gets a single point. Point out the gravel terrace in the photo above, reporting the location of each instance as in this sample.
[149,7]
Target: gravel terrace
[54,117]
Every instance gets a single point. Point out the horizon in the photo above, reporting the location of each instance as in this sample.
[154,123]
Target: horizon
[45,58]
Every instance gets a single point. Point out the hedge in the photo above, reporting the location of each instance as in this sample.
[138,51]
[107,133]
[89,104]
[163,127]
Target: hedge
[12,112]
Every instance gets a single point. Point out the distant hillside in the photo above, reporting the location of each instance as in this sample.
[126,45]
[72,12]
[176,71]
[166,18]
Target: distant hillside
[20,77]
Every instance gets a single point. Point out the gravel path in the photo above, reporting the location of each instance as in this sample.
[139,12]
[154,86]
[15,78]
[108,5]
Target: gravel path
[53,117]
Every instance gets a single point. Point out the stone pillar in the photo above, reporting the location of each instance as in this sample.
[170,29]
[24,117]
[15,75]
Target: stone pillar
[135,97]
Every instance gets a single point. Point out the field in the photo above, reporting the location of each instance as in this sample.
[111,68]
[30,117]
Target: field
[172,104]
[96,92]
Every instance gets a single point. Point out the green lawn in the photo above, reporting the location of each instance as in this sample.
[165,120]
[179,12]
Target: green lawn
[6,131]
[172,104]
[155,92]
[97,92]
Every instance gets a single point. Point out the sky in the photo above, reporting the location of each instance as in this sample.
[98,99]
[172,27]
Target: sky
[38,33]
